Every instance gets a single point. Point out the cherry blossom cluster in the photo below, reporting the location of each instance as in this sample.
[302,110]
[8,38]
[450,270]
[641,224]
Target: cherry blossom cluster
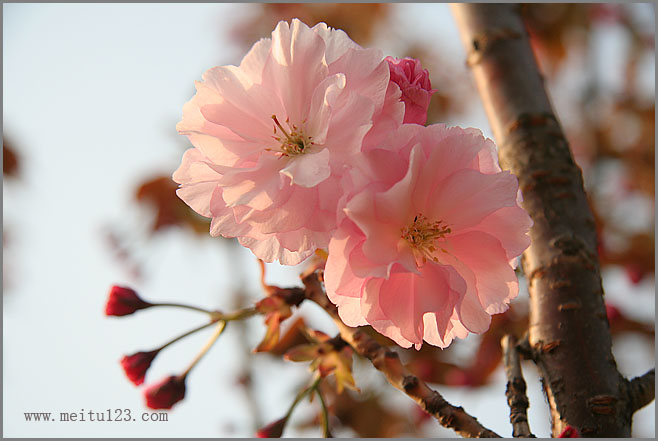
[314,142]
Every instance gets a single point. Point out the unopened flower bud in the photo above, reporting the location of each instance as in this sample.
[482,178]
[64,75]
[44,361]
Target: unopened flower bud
[273,430]
[136,365]
[124,301]
[166,393]
[414,82]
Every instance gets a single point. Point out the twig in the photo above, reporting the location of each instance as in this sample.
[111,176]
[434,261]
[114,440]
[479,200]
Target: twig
[326,433]
[641,390]
[388,362]
[515,391]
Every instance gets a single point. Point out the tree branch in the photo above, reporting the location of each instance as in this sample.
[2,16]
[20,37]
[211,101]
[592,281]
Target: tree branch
[515,390]
[642,390]
[569,332]
[388,362]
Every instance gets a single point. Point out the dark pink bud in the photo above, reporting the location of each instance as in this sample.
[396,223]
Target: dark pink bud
[273,430]
[124,301]
[165,394]
[136,365]
[414,82]
[569,432]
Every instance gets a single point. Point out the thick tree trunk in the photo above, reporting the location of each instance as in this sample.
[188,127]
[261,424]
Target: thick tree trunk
[569,333]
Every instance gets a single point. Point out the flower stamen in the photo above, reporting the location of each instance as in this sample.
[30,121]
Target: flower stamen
[422,235]
[293,143]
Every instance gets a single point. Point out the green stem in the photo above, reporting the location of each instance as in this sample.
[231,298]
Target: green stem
[301,395]
[216,315]
[180,305]
[325,414]
[218,331]
[190,332]
[237,315]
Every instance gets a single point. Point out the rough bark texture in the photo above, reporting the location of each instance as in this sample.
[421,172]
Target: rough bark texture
[569,332]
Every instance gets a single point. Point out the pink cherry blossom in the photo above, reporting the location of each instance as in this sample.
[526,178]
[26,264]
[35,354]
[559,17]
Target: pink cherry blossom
[273,137]
[414,82]
[426,249]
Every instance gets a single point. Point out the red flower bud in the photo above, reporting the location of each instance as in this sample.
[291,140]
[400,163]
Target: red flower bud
[124,301]
[569,432]
[165,394]
[135,365]
[273,430]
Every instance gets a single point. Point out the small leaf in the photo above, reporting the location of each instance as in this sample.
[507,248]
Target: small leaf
[305,352]
[271,338]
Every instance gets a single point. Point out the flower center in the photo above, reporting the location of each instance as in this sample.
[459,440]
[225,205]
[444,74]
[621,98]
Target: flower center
[293,142]
[422,235]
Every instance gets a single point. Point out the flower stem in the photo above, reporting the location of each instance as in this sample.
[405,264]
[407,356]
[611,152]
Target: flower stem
[325,414]
[215,315]
[301,395]
[180,305]
[218,331]
[190,332]
[237,315]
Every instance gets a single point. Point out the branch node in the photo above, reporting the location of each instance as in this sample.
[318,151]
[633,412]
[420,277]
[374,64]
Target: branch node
[516,388]
[531,120]
[641,390]
[482,43]
[569,306]
[409,383]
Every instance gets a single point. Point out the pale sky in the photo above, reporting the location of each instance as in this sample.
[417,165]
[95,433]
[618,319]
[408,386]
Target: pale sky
[92,94]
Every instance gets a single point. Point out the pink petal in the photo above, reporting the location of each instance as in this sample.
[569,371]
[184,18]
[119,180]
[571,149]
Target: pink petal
[322,102]
[351,119]
[257,187]
[471,314]
[194,169]
[396,204]
[376,317]
[495,281]
[252,63]
[292,213]
[269,250]
[339,279]
[296,67]
[197,196]
[308,169]
[342,286]
[404,298]
[370,73]
[468,196]
[303,239]
[336,40]
[510,226]
[381,245]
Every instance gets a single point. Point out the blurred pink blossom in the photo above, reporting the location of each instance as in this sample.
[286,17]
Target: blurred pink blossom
[274,135]
[414,82]
[426,250]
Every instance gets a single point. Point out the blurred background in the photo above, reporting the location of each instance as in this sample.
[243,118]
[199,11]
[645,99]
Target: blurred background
[92,94]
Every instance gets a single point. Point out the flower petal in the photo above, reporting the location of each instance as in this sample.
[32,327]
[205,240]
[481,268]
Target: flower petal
[496,283]
[468,196]
[308,169]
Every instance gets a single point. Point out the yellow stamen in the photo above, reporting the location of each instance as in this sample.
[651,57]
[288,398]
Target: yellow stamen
[293,143]
[422,235]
